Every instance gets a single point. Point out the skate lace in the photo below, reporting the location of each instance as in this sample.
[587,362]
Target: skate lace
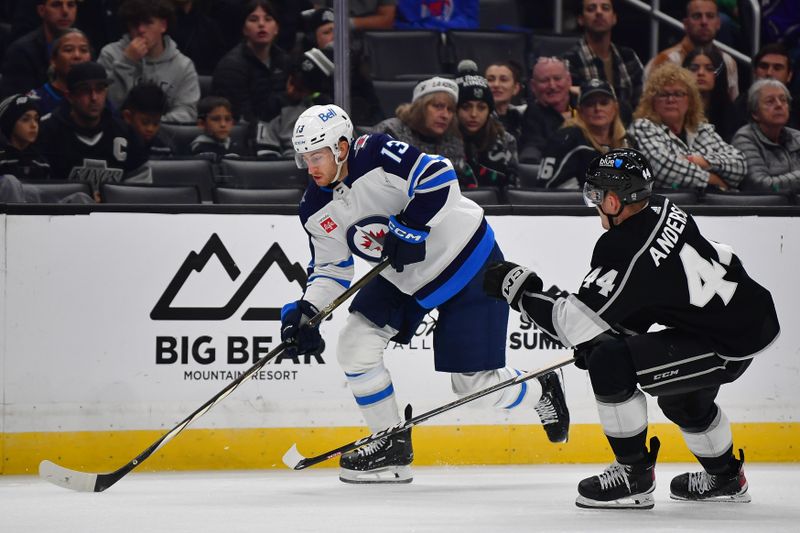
[700,482]
[614,475]
[372,447]
[547,413]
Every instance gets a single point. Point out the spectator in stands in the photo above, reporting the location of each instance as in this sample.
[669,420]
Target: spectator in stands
[197,36]
[19,123]
[437,15]
[71,48]
[505,81]
[706,63]
[490,151]
[142,110]
[215,118]
[27,59]
[772,150]
[310,82]
[368,14]
[594,130]
[596,57]
[701,25]
[83,141]
[146,53]
[672,132]
[428,122]
[772,61]
[552,104]
[252,75]
[365,108]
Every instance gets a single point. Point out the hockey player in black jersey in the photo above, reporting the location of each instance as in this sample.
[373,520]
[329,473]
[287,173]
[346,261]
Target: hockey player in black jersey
[652,266]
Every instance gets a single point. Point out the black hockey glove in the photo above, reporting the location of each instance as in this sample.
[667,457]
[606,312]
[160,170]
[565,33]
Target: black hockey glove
[583,351]
[405,243]
[507,281]
[304,339]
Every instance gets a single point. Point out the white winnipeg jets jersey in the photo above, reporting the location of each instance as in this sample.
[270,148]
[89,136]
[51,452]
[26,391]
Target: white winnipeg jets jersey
[387,177]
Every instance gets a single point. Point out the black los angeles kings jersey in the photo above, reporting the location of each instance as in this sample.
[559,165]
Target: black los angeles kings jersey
[656,267]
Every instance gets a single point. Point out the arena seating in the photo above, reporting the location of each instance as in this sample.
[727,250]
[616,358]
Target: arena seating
[287,196]
[51,191]
[403,55]
[197,172]
[495,14]
[746,199]
[392,93]
[544,197]
[483,195]
[117,193]
[260,174]
[484,47]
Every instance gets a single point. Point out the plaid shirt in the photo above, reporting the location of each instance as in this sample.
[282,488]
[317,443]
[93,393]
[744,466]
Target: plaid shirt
[584,65]
[667,154]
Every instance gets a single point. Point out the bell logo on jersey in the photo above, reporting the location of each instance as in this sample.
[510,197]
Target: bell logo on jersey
[325,117]
[328,224]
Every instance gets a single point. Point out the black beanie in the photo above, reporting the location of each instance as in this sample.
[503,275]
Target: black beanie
[12,108]
[319,18]
[473,86]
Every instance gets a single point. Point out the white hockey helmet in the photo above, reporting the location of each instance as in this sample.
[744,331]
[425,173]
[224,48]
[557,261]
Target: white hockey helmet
[321,126]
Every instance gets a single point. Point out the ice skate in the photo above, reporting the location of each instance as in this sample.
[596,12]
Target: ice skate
[552,408]
[385,460]
[704,487]
[621,486]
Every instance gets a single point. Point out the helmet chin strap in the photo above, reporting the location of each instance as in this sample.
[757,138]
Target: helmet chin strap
[339,165]
[611,217]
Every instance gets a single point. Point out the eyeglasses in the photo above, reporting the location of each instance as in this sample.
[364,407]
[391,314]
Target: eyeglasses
[675,94]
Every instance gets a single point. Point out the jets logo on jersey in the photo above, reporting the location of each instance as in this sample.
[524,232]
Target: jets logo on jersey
[365,237]
[360,143]
[328,224]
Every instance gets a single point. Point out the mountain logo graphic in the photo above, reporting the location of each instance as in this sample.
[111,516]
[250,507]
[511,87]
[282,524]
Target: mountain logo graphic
[195,262]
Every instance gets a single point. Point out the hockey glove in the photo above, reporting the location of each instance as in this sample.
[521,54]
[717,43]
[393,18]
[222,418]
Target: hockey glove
[583,351]
[304,339]
[507,281]
[405,243]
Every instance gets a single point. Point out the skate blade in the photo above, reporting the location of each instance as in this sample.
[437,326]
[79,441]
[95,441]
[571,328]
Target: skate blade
[638,501]
[732,498]
[389,474]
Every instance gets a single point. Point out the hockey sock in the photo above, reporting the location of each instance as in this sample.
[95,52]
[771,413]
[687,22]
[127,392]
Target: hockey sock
[713,446]
[526,393]
[374,394]
[624,422]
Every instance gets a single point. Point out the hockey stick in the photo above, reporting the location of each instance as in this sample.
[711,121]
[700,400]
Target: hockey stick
[90,482]
[296,461]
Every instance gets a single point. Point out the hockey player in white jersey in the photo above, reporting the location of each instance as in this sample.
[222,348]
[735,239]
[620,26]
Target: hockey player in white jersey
[379,197]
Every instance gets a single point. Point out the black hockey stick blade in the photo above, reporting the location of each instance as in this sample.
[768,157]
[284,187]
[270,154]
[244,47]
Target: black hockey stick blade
[297,461]
[98,482]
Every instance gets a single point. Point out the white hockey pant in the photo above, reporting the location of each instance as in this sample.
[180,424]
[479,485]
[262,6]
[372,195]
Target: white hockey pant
[360,354]
[527,392]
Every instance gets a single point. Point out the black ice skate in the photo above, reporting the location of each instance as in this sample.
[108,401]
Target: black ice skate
[621,486]
[552,408]
[385,460]
[705,487]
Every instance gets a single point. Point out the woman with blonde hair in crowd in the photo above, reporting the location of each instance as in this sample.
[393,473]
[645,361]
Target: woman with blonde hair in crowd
[670,128]
[594,130]
[429,121]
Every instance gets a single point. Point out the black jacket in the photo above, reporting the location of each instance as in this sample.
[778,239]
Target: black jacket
[25,64]
[253,89]
[27,164]
[538,124]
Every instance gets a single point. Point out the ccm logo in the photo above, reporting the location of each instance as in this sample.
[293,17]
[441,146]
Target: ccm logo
[663,375]
[403,234]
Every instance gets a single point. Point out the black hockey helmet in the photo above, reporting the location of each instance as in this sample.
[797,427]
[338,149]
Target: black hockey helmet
[624,171]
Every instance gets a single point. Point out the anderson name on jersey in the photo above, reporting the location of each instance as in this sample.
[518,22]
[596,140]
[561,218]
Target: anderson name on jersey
[387,177]
[656,268]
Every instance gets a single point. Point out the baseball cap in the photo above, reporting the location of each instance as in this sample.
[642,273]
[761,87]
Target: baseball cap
[595,86]
[86,72]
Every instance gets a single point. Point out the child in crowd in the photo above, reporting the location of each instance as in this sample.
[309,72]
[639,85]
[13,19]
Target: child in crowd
[19,122]
[142,109]
[215,118]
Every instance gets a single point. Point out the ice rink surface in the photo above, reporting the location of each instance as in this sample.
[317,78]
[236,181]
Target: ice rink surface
[441,499]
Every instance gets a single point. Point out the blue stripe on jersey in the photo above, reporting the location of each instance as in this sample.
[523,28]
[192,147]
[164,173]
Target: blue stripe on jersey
[343,282]
[522,391]
[463,268]
[444,177]
[422,161]
[357,374]
[346,263]
[375,398]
